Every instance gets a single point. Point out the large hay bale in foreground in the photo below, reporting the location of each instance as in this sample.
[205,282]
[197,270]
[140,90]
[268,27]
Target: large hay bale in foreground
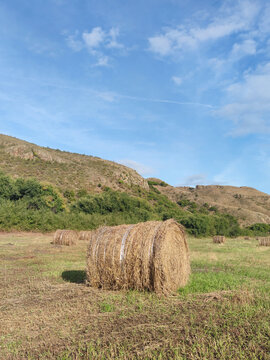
[264,241]
[85,235]
[218,239]
[65,237]
[147,256]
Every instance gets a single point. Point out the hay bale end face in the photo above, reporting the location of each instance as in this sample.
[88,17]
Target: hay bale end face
[147,256]
[65,237]
[218,239]
[264,241]
[85,235]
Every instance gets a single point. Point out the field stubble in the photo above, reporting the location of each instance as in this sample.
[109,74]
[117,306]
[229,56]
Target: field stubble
[46,311]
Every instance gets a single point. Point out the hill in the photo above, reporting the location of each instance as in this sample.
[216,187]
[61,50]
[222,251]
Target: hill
[75,172]
[248,205]
[64,169]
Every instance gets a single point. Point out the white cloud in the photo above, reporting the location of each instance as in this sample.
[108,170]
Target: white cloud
[247,47]
[94,38]
[102,60]
[142,169]
[177,80]
[161,44]
[113,43]
[248,104]
[264,24]
[98,42]
[230,20]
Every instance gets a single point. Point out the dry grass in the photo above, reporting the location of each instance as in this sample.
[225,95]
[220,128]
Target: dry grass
[47,312]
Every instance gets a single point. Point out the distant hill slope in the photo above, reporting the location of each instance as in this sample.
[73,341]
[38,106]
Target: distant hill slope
[63,169]
[248,205]
[71,171]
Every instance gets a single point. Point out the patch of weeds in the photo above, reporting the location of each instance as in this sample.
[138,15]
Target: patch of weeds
[211,281]
[106,307]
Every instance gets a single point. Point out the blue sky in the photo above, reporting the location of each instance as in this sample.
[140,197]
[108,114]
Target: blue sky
[177,89]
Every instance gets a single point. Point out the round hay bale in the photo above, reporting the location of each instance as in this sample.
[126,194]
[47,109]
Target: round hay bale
[85,235]
[218,239]
[264,241]
[65,237]
[147,256]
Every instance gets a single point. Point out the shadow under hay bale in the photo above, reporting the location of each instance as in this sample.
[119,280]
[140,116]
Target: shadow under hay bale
[264,241]
[218,239]
[65,237]
[147,256]
[74,276]
[85,235]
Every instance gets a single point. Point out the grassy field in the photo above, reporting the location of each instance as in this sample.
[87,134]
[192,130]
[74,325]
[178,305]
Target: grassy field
[46,311]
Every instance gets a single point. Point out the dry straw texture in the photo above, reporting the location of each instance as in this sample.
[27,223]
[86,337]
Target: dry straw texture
[65,237]
[219,239]
[264,241]
[85,235]
[147,256]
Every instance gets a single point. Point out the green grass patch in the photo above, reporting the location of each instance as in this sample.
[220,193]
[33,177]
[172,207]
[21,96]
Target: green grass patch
[211,281]
[106,307]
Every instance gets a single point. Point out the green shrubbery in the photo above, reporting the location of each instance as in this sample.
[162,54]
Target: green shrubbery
[259,229]
[157,182]
[31,193]
[209,225]
[26,204]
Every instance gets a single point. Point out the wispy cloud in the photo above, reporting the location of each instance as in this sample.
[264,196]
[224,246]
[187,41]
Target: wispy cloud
[106,95]
[195,179]
[229,20]
[97,41]
[74,43]
[247,47]
[164,101]
[177,80]
[248,104]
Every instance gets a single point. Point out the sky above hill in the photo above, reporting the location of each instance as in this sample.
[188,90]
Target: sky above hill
[177,89]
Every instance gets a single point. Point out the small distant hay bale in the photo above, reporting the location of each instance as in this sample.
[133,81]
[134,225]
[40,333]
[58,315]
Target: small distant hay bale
[65,237]
[246,238]
[85,235]
[150,256]
[218,239]
[264,241]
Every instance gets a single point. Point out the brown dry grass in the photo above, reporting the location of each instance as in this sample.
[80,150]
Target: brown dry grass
[248,205]
[46,311]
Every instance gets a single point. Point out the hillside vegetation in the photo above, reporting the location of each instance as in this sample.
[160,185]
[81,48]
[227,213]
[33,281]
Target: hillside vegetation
[248,205]
[66,170]
[45,189]
[26,204]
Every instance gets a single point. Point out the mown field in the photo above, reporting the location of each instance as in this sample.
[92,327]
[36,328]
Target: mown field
[46,311]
